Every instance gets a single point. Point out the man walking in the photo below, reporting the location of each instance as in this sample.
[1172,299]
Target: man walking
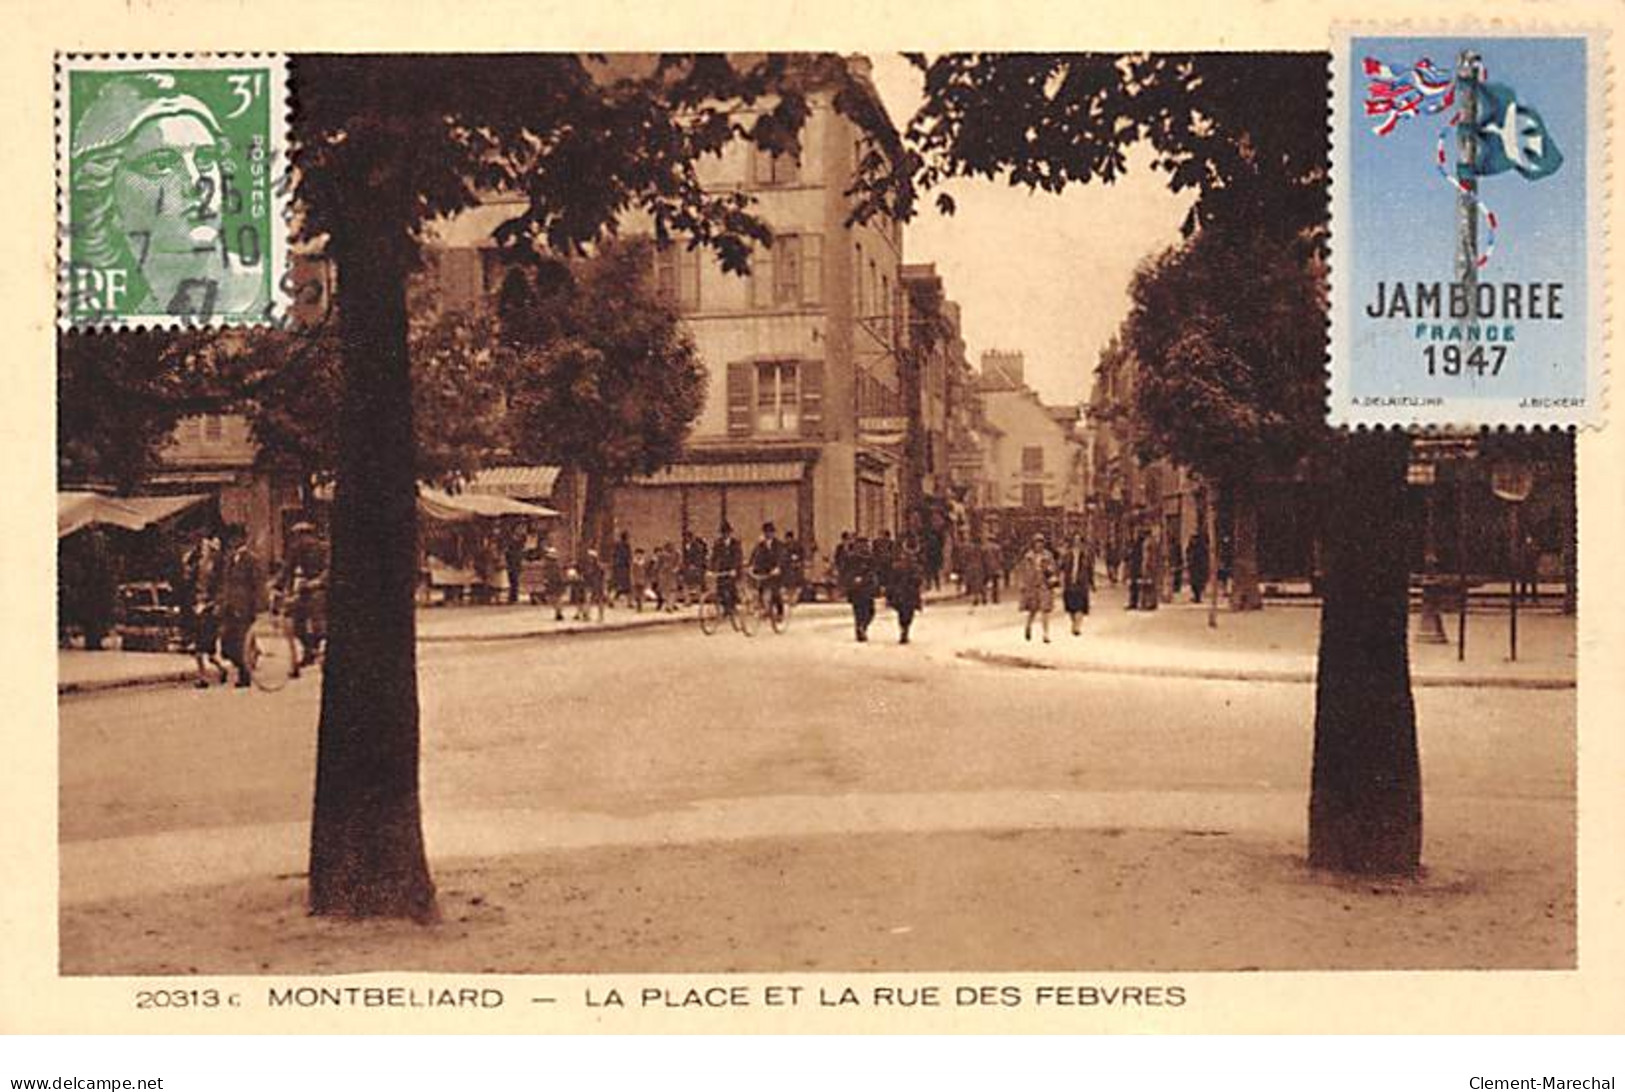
[857,575]
[903,592]
[242,598]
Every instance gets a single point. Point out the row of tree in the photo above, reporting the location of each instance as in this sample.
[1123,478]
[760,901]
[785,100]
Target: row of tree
[576,363]
[385,145]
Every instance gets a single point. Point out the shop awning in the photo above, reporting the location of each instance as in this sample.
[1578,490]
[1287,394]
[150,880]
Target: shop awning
[723,474]
[463,507]
[78,510]
[519,482]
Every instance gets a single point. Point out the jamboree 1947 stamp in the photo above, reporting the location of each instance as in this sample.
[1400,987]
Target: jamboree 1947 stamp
[172,195]
[1466,237]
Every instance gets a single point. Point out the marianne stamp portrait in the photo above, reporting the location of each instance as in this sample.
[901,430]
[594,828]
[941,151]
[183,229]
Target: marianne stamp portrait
[168,178]
[1464,231]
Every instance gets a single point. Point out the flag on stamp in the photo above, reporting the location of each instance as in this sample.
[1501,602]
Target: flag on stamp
[1392,94]
[1512,137]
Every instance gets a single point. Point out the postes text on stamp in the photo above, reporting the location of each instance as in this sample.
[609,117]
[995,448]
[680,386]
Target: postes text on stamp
[172,190]
[1466,242]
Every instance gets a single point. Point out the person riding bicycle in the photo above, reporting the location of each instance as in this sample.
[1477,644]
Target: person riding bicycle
[305,585]
[727,559]
[767,569]
[795,567]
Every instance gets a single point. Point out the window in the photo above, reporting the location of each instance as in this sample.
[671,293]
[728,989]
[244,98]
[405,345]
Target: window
[791,273]
[1032,460]
[677,276]
[1032,495]
[773,169]
[778,397]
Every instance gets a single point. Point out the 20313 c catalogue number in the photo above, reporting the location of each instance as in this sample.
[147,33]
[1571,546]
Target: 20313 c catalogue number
[204,998]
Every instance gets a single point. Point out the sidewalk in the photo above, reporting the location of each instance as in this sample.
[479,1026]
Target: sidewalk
[79,671]
[1276,644]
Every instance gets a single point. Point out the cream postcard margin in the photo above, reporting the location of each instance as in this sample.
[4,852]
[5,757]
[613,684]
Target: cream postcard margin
[32,995]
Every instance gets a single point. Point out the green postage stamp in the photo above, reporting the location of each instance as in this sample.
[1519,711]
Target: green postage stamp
[172,190]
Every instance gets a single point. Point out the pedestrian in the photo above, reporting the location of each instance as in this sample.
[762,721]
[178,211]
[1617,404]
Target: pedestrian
[513,556]
[992,566]
[1077,577]
[620,567]
[1196,557]
[1038,575]
[1114,557]
[694,559]
[200,599]
[242,598]
[884,551]
[903,592]
[857,577]
[554,585]
[1134,570]
[663,577]
[1155,571]
[593,590]
[1176,564]
[973,574]
[639,578]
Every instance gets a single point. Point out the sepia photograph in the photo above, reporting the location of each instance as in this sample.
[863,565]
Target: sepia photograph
[1086,524]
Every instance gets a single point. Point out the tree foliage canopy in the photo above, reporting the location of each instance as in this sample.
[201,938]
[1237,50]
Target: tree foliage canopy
[1231,337]
[603,377]
[1248,134]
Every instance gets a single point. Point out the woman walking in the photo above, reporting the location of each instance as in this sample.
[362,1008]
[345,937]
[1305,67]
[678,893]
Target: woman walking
[1077,576]
[1038,577]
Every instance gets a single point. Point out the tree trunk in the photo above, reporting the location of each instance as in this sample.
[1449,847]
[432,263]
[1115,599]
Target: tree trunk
[1365,805]
[597,514]
[366,844]
[1244,591]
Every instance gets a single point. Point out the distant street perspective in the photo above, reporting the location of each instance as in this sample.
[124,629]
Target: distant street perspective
[786,512]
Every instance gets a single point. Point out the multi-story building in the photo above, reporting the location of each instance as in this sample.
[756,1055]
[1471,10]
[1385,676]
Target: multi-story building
[1036,460]
[805,421]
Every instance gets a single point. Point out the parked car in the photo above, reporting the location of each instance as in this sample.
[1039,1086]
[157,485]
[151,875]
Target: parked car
[149,618]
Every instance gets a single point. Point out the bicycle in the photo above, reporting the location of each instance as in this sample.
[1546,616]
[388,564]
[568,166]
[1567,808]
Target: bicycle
[712,610]
[774,609]
[271,650]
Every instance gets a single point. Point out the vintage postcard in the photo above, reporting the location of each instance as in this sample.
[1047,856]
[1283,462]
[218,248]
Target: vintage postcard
[1466,229]
[843,531]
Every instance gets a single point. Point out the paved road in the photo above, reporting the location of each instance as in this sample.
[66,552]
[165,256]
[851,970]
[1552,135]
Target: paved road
[631,724]
[666,801]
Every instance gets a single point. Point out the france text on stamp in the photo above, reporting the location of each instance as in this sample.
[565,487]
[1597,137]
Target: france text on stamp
[172,194]
[1466,238]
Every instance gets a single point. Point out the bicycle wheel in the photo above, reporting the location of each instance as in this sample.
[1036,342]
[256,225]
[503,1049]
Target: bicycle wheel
[745,614]
[269,653]
[710,615]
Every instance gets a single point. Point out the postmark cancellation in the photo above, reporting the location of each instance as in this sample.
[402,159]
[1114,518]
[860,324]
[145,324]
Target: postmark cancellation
[173,190]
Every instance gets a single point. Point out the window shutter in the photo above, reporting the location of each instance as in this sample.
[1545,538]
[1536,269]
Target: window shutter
[688,288]
[812,398]
[812,269]
[740,388]
[761,277]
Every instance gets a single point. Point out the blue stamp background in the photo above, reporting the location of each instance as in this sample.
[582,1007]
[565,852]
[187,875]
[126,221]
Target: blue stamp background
[1404,222]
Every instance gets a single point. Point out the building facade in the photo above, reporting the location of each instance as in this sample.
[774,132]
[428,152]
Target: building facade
[1036,457]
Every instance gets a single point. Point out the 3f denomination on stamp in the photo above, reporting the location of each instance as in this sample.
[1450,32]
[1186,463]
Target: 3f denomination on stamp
[1466,232]
[172,194]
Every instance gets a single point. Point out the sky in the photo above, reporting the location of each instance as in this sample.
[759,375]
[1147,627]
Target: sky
[1404,220]
[1043,274]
